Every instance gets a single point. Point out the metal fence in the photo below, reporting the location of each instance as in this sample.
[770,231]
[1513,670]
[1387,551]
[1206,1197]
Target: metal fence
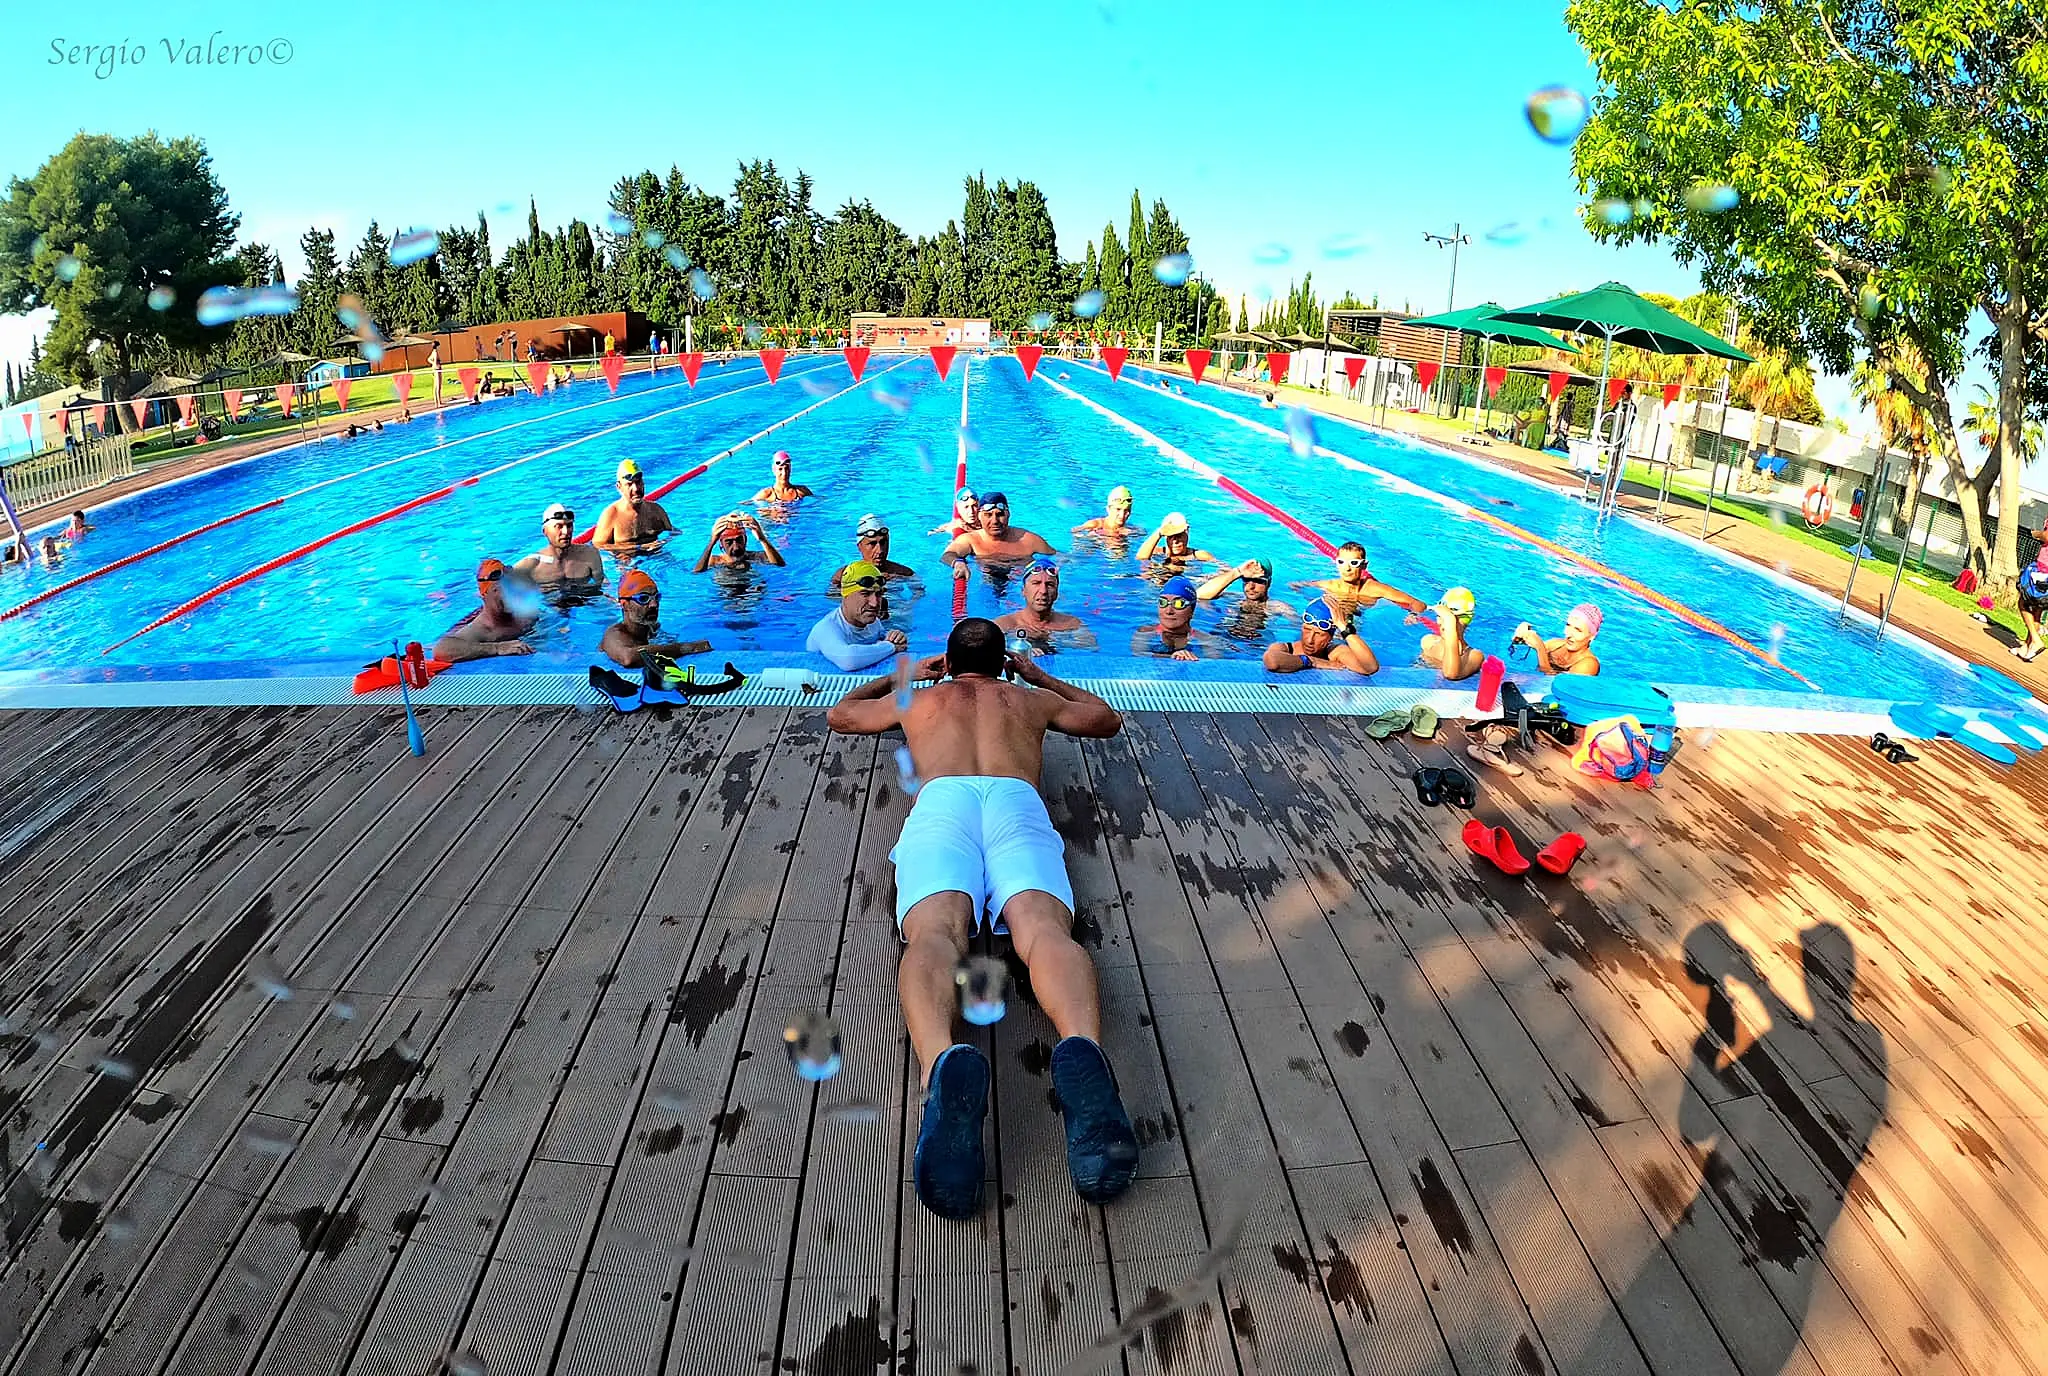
[64,473]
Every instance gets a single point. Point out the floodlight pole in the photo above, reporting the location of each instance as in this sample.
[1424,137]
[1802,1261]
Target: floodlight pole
[1454,240]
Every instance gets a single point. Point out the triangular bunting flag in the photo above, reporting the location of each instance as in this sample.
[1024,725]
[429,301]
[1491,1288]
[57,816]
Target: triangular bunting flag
[1495,376]
[614,366]
[1198,363]
[99,416]
[771,363]
[402,384]
[1354,368]
[537,375]
[1425,373]
[140,407]
[28,423]
[1557,381]
[233,397]
[1615,387]
[186,405]
[1671,391]
[1276,364]
[942,358]
[469,377]
[1028,355]
[856,360]
[1113,356]
[342,387]
[691,364]
[285,392]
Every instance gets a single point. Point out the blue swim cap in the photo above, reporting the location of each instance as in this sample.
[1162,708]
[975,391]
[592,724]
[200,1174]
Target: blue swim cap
[1178,587]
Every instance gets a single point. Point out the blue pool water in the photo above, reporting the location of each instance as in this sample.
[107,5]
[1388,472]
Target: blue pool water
[411,577]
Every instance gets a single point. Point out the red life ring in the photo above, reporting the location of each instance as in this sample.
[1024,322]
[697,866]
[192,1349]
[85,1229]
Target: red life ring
[1819,506]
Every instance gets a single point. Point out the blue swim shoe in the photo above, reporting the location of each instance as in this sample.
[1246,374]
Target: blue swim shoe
[948,1165]
[1102,1151]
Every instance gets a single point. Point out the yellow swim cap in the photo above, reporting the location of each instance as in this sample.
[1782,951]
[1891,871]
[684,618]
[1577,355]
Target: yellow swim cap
[1461,601]
[854,575]
[629,468]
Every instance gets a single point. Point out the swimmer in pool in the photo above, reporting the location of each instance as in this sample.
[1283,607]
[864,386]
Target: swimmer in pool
[632,524]
[871,543]
[563,564]
[1444,648]
[1571,653]
[492,629]
[1324,644]
[1354,589]
[727,547]
[632,643]
[966,515]
[994,540]
[1174,635]
[782,490]
[78,526]
[1172,545]
[1248,618]
[1038,620]
[1116,522]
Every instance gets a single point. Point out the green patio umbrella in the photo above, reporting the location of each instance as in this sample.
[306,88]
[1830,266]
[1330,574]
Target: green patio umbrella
[1484,321]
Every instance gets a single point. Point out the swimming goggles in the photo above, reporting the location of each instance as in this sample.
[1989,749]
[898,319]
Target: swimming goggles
[567,518]
[867,535]
[1344,563]
[1317,623]
[494,576]
[1041,564]
[1003,507]
[865,583]
[1175,603]
[642,599]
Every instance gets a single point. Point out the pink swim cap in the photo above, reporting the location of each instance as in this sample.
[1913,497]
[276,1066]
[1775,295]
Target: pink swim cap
[1587,615]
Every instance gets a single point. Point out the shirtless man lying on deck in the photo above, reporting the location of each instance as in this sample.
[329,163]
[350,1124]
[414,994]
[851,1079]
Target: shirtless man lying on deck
[978,838]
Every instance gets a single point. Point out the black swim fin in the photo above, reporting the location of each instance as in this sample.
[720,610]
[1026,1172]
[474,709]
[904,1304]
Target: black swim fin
[626,695]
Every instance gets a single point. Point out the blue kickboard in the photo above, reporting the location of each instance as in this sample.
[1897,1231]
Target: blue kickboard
[2029,735]
[1590,698]
[1926,722]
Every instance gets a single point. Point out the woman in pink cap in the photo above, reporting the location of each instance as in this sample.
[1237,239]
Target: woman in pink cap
[1571,654]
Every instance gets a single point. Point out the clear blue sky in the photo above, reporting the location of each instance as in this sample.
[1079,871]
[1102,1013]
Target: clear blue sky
[1260,124]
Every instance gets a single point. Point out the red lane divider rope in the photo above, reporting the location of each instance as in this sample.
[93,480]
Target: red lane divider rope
[1258,503]
[134,558]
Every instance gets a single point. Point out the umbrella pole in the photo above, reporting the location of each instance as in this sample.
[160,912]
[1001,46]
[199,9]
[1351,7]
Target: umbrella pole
[1485,401]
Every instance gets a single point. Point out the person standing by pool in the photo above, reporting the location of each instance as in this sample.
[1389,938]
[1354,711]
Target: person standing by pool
[1172,544]
[782,490]
[434,362]
[1037,621]
[979,841]
[1443,647]
[2033,605]
[1248,618]
[1173,636]
[852,635]
[563,564]
[1354,589]
[632,524]
[1324,644]
[1571,653]
[871,540]
[1116,523]
[994,540]
[492,629]
[631,644]
[727,547]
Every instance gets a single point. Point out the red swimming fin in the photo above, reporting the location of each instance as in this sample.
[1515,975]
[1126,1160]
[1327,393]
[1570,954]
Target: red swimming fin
[1560,855]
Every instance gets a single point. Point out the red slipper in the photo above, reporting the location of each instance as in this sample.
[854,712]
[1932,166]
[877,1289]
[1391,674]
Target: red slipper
[1560,855]
[1494,844]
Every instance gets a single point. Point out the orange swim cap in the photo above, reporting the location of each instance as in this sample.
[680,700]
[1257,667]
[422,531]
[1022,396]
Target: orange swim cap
[634,583]
[490,570]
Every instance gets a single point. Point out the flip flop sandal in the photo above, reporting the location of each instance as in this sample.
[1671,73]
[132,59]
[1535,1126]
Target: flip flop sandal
[1898,754]
[947,1168]
[1880,742]
[1423,722]
[1459,790]
[1102,1150]
[1429,786]
[1560,855]
[1386,724]
[1493,757]
[1493,844]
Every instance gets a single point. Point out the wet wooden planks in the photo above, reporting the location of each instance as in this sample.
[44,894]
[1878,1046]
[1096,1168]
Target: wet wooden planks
[356,1063]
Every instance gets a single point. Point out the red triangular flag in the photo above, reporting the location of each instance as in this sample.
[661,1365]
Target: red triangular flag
[1113,356]
[537,375]
[1615,387]
[402,384]
[285,392]
[1354,368]
[1198,363]
[771,362]
[341,391]
[140,406]
[28,423]
[691,364]
[942,358]
[1425,373]
[1557,381]
[1495,376]
[614,366]
[469,377]
[99,416]
[856,359]
[1276,364]
[1028,355]
[1671,391]
[233,397]
[185,405]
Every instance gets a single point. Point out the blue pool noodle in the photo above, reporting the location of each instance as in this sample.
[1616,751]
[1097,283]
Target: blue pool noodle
[413,737]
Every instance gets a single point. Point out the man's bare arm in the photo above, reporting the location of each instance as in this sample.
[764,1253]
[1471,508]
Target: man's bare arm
[1079,712]
[868,710]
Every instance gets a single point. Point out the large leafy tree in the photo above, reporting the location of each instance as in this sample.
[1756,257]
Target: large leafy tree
[100,232]
[1886,158]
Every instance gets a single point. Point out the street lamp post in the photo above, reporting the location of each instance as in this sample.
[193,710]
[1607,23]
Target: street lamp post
[1456,239]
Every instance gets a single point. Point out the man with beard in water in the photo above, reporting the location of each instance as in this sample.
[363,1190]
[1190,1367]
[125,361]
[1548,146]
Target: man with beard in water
[632,524]
[493,628]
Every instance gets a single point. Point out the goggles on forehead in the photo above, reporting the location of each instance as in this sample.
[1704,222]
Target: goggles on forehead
[494,576]
[1317,623]
[865,583]
[567,518]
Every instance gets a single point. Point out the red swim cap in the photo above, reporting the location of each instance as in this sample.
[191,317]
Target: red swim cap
[636,582]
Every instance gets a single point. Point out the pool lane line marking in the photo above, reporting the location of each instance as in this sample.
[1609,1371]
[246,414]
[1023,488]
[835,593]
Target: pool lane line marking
[1695,619]
[584,537]
[271,566]
[10,613]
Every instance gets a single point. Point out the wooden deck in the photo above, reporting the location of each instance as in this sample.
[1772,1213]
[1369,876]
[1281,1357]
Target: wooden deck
[321,1058]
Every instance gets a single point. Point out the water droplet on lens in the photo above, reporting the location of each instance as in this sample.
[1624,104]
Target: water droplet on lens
[1042,321]
[68,267]
[413,246]
[1507,235]
[677,259]
[1174,268]
[617,223]
[114,1069]
[969,438]
[1712,197]
[984,984]
[219,305]
[113,291]
[853,1112]
[1869,302]
[670,1099]
[1343,246]
[1777,640]
[700,283]
[1301,431]
[162,298]
[1640,207]
[266,1144]
[273,299]
[812,1041]
[1271,255]
[888,392]
[1088,304]
[924,456]
[904,687]
[406,1050]
[653,238]
[120,1225]
[752,330]
[464,1364]
[269,979]
[906,771]
[1556,113]
[342,1012]
[1612,210]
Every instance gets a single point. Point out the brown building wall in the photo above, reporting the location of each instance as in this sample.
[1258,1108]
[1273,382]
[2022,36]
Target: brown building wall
[628,331]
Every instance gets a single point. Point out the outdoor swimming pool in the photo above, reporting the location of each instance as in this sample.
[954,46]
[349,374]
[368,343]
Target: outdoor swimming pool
[889,445]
